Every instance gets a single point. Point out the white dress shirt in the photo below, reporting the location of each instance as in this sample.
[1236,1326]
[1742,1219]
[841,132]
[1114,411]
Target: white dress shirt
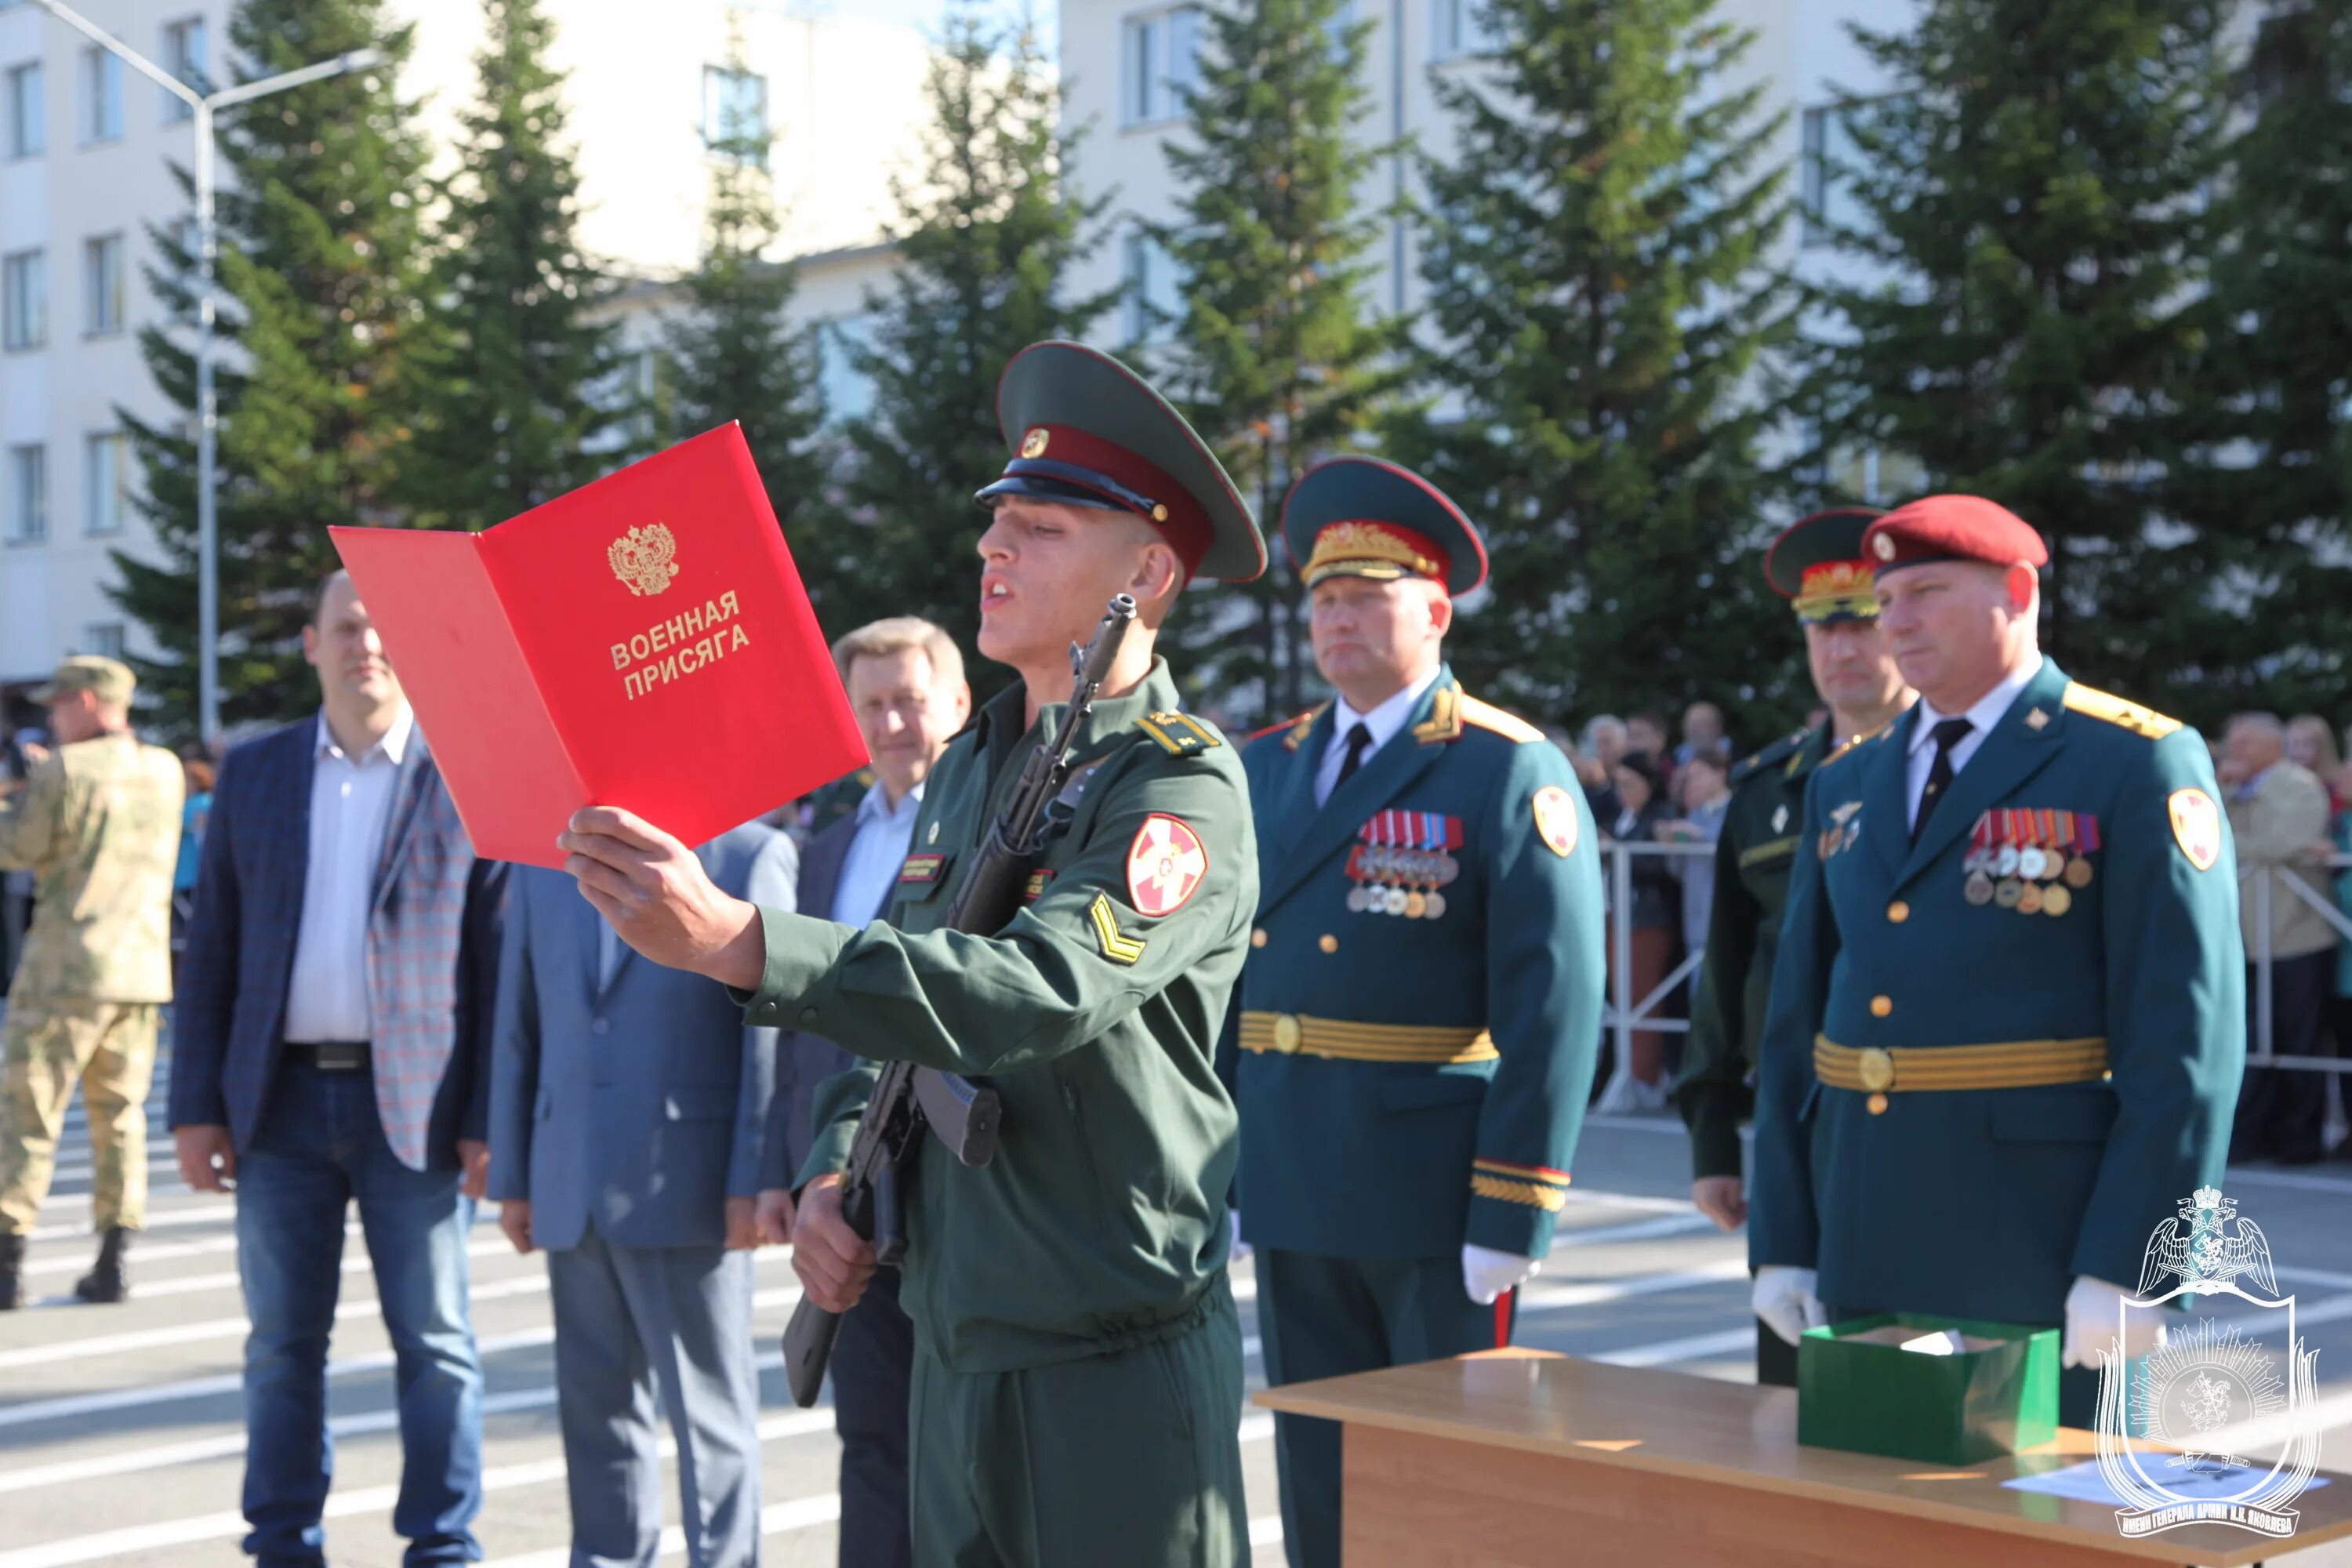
[351,799]
[868,871]
[1989,709]
[1383,722]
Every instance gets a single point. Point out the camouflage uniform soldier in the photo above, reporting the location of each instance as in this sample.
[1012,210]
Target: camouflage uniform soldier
[98,823]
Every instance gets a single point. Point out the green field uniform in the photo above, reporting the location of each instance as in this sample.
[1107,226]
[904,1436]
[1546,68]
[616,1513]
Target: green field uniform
[97,824]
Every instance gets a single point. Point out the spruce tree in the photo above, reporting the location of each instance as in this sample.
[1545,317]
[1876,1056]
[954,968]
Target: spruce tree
[2269,488]
[1602,316]
[318,270]
[987,233]
[2033,191]
[1276,359]
[734,354]
[514,395]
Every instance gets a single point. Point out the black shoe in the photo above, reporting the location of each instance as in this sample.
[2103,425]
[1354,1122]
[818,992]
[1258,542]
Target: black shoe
[12,1265]
[106,1282]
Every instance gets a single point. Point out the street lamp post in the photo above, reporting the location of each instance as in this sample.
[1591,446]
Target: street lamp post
[204,106]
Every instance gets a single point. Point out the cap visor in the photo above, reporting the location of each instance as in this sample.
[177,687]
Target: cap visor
[1038,488]
[1377,570]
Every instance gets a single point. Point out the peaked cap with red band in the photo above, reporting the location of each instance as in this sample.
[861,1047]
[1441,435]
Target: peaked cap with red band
[1818,563]
[1084,430]
[1952,528]
[1362,517]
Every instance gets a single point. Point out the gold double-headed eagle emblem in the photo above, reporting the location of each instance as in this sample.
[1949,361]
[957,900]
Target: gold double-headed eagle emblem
[645,559]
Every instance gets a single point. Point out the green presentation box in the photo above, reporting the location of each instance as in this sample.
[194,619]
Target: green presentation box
[1857,1390]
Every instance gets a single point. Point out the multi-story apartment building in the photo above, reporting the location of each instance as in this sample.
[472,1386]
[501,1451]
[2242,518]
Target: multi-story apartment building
[86,152]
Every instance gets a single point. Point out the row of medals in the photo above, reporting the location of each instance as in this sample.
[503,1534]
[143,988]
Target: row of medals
[2031,880]
[1417,873]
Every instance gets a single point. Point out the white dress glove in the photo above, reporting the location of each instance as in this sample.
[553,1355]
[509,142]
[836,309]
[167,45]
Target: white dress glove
[2093,1309]
[1486,1273]
[1787,1300]
[1240,1248]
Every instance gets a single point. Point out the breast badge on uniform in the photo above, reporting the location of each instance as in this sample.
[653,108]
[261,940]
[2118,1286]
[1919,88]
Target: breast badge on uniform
[1403,860]
[2196,827]
[1165,865]
[1556,819]
[1845,826]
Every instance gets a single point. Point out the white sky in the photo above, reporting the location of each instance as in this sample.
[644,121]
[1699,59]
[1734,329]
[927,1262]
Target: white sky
[923,14]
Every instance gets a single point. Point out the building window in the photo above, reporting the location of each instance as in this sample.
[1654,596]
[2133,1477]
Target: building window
[28,111]
[1824,179]
[735,114]
[1158,62]
[24,301]
[103,284]
[1460,27]
[103,638]
[106,482]
[184,56]
[1153,298]
[842,382]
[102,96]
[182,266]
[1874,476]
[28,495]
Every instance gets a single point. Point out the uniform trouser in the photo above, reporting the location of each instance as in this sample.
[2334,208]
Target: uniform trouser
[630,1322]
[49,1045]
[1328,1316]
[872,1362]
[1133,1458]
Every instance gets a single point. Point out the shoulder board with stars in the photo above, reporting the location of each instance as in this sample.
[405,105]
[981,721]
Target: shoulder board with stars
[1295,728]
[1779,751]
[1179,734]
[1843,749]
[2097,704]
[1452,711]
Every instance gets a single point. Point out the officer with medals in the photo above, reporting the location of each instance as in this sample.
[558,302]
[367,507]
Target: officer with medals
[1816,565]
[1420,1017]
[1078,1372]
[2007,1018]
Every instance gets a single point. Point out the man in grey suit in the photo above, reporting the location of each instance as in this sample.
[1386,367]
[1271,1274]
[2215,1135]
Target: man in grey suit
[629,1107]
[905,683]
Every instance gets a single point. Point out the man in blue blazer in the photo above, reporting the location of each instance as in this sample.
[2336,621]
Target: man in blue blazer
[905,683]
[330,1045]
[628,1104]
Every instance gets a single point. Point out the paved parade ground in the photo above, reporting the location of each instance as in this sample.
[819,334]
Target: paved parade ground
[121,1441]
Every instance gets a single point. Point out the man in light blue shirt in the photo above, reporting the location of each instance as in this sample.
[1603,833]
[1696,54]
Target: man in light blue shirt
[906,684]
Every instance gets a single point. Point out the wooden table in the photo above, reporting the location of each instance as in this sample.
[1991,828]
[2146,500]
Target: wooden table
[1525,1457]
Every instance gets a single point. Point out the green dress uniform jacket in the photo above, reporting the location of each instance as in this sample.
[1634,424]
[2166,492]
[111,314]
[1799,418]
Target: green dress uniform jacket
[1987,1202]
[1409,1085]
[1101,1223]
[1753,855]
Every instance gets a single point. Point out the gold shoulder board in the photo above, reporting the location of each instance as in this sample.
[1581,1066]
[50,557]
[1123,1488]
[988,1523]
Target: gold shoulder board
[2131,716]
[1487,716]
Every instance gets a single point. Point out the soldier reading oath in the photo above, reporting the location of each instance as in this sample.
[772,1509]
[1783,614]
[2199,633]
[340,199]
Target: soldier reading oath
[1077,1374]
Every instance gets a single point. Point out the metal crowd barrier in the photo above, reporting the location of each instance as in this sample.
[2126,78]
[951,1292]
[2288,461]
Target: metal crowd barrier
[1626,1013]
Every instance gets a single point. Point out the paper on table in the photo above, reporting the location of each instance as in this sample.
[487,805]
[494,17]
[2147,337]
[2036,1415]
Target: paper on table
[2085,1483]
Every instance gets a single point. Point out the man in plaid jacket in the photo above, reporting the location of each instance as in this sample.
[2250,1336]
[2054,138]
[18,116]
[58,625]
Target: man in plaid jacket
[332,1043]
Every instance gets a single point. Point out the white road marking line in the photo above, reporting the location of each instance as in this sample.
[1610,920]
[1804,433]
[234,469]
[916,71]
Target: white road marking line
[34,1410]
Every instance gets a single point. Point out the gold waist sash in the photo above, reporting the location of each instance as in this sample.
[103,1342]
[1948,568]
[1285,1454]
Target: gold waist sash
[2013,1064]
[1294,1034]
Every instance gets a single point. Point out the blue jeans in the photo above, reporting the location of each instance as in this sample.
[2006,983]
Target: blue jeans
[319,1146]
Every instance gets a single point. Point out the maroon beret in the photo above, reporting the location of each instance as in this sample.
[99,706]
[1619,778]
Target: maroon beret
[1952,528]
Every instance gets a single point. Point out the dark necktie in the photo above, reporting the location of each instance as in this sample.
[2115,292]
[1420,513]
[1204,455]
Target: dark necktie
[1359,740]
[1948,733]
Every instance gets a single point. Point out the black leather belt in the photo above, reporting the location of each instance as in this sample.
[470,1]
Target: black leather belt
[329,1056]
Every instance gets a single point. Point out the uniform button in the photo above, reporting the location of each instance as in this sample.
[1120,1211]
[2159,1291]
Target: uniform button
[601,1027]
[808,1016]
[1878,1104]
[1899,912]
[1328,943]
[1286,1035]
[1881,1005]
[1257,937]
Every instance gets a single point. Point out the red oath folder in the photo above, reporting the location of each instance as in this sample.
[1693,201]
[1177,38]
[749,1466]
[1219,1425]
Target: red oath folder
[643,642]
